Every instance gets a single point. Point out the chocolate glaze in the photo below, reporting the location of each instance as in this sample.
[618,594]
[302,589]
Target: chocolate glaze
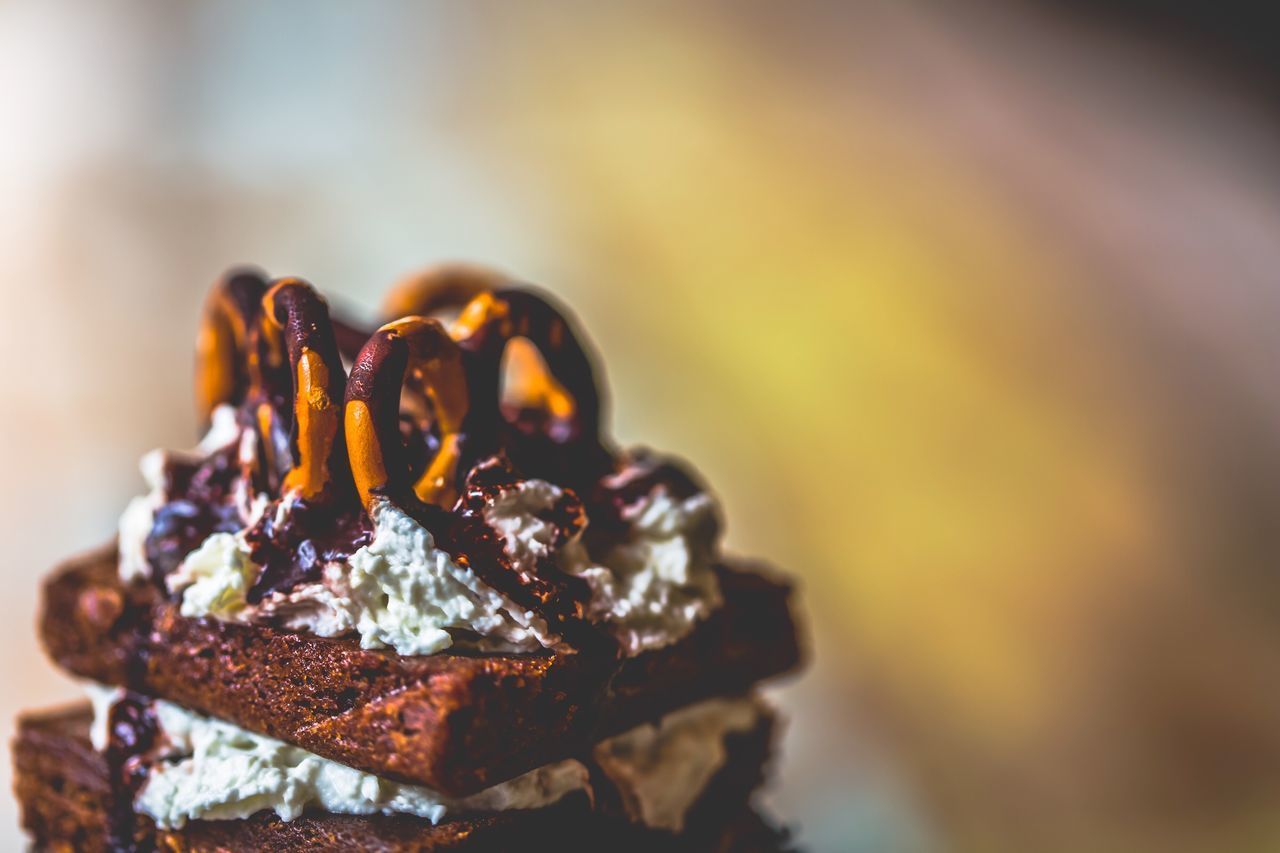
[528,438]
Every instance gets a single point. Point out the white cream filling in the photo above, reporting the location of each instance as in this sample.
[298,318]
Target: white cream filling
[224,429]
[514,516]
[212,770]
[325,608]
[215,578]
[102,697]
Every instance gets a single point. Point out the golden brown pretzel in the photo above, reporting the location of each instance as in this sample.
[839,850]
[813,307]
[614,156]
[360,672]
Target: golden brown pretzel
[566,388]
[440,288]
[225,350]
[454,286]
[415,347]
[295,321]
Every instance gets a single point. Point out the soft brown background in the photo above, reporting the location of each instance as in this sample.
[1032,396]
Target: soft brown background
[968,311]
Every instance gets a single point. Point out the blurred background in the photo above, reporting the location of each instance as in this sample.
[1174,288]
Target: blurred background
[968,310]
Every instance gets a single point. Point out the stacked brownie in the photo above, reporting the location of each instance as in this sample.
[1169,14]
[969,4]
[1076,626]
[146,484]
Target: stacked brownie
[406,595]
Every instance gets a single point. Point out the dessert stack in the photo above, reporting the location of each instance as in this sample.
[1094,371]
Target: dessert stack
[406,594]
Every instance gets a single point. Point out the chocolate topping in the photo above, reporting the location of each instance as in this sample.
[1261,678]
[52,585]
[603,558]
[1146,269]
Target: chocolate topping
[459,435]
[200,502]
[542,587]
[297,549]
[528,438]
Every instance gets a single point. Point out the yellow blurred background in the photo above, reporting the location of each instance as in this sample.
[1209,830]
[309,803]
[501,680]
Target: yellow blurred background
[968,312]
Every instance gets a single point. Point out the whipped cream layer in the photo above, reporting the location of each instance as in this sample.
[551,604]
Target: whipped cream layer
[401,591]
[207,769]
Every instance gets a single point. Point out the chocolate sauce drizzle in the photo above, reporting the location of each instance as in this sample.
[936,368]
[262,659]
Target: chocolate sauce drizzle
[296,550]
[545,589]
[132,735]
[200,502]
[609,498]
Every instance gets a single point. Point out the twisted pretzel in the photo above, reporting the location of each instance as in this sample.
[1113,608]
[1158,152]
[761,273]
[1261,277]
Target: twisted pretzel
[440,288]
[417,347]
[457,286]
[566,388]
[295,320]
[225,354]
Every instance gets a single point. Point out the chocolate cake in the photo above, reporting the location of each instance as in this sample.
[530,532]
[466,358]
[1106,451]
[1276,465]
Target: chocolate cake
[406,594]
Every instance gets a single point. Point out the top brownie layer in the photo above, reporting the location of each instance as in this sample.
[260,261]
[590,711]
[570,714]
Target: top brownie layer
[454,721]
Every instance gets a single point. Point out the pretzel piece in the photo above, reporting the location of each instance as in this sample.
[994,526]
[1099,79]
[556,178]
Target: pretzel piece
[295,320]
[420,349]
[566,387]
[440,288]
[225,354]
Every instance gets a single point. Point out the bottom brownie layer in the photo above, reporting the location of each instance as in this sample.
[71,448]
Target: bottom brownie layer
[68,802]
